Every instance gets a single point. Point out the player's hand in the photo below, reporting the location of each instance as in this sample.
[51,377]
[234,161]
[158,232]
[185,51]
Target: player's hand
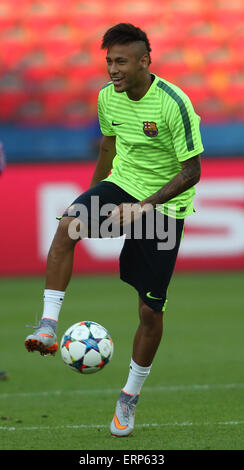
[126,213]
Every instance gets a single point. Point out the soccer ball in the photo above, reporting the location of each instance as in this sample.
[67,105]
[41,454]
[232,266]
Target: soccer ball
[86,347]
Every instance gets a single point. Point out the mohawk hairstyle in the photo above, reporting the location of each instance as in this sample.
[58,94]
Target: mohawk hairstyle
[125,33]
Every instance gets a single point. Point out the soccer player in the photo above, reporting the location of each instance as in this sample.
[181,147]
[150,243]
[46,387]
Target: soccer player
[149,158]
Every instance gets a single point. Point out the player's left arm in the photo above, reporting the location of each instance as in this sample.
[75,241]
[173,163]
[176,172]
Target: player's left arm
[185,131]
[188,176]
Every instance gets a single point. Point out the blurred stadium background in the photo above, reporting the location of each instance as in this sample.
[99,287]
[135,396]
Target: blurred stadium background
[51,69]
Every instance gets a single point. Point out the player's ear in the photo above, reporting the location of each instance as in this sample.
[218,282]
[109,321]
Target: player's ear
[144,61]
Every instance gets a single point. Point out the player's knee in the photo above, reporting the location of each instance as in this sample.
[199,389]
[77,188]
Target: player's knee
[74,228]
[64,235]
[63,228]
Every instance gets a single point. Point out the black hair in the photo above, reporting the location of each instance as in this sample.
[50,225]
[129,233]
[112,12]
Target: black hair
[125,33]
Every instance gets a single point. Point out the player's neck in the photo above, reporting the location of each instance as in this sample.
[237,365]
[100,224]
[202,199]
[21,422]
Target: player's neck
[141,89]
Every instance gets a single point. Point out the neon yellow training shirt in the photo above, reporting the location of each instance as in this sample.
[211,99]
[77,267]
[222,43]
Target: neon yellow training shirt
[153,135]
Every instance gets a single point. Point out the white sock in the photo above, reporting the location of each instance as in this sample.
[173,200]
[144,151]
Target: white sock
[136,378]
[53,300]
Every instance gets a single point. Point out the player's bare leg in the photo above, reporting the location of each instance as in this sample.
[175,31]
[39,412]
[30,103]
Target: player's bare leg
[148,335]
[60,257]
[146,342]
[58,274]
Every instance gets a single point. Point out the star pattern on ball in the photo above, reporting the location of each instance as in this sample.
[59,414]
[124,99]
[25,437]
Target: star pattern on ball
[90,343]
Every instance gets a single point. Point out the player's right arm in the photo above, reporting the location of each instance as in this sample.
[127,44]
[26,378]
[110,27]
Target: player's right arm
[107,149]
[106,155]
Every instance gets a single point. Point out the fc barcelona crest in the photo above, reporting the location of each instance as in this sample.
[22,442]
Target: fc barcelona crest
[150,129]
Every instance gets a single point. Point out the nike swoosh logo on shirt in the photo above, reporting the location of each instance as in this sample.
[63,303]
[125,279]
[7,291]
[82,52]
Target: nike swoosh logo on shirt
[117,124]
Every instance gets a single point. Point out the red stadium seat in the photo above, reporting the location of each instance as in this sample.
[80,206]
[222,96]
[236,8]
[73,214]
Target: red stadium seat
[60,43]
[37,73]
[78,113]
[231,20]
[169,44]
[172,64]
[194,85]
[12,11]
[54,45]
[40,26]
[54,102]
[13,52]
[222,57]
[238,45]
[235,92]
[43,11]
[212,109]
[81,9]
[7,18]
[134,9]
[32,113]
[90,26]
[18,5]
[66,107]
[60,52]
[10,103]
[98,56]
[185,18]
[83,72]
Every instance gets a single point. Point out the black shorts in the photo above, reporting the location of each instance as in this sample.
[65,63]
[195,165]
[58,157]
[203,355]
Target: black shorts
[145,263]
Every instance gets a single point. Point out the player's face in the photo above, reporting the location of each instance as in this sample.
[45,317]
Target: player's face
[126,66]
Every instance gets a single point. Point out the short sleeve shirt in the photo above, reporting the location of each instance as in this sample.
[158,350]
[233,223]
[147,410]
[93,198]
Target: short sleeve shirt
[153,136]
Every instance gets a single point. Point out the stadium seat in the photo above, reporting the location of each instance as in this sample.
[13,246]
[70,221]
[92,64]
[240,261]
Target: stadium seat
[10,103]
[222,57]
[184,17]
[212,109]
[97,55]
[42,15]
[194,85]
[230,20]
[90,26]
[40,27]
[169,43]
[86,78]
[32,113]
[86,8]
[66,107]
[13,52]
[54,102]
[83,72]
[204,43]
[59,53]
[172,64]
[12,11]
[239,112]
[135,8]
[236,91]
[238,45]
[43,10]
[194,58]
[54,46]
[37,73]
[7,21]
[78,113]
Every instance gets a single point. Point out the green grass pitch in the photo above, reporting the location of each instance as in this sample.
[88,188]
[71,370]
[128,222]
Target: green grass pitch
[193,398]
